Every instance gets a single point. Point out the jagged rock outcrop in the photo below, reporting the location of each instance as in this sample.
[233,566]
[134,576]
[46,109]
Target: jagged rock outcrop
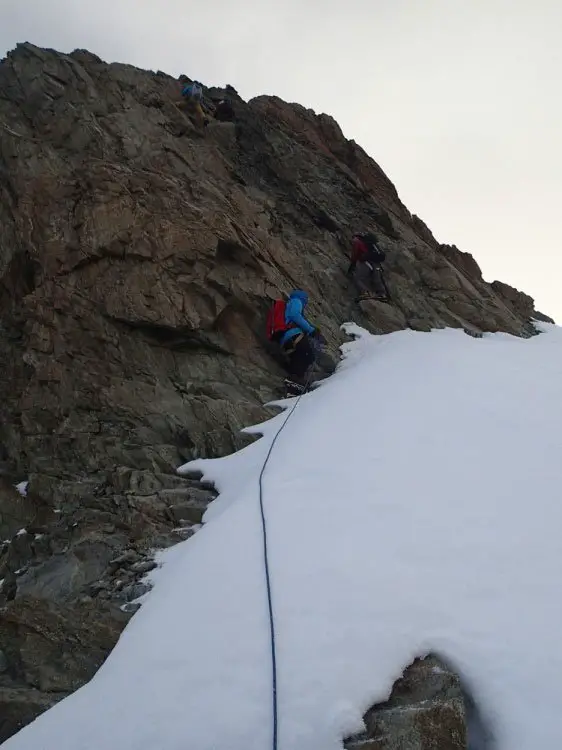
[138,256]
[425,710]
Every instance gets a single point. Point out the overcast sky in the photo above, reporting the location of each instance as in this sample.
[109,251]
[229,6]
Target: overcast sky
[458,100]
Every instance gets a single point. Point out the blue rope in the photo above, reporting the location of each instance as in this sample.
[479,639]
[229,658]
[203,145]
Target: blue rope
[268,577]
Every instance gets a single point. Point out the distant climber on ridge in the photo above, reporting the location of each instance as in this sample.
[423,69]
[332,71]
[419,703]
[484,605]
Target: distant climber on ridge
[365,267]
[298,339]
[193,97]
[224,111]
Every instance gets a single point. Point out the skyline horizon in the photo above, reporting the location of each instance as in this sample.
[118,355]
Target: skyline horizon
[474,180]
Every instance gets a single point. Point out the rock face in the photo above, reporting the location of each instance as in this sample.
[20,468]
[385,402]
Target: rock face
[425,711]
[48,652]
[429,708]
[138,257]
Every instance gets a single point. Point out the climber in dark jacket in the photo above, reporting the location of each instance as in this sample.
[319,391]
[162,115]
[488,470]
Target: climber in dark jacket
[300,342]
[365,267]
[224,111]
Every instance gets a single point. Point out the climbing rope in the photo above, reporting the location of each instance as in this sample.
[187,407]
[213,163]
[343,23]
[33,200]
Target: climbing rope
[267,573]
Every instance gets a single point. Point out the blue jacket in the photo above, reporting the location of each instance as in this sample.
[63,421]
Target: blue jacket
[294,314]
[192,90]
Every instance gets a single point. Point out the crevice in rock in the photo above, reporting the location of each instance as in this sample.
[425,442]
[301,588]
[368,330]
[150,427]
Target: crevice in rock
[19,278]
[56,79]
[324,221]
[178,338]
[232,251]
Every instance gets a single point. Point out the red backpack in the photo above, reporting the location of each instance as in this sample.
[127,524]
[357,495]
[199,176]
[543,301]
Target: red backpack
[276,325]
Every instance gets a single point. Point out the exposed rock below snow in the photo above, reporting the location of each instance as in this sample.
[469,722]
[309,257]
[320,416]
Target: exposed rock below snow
[50,651]
[425,710]
[138,257]
[19,706]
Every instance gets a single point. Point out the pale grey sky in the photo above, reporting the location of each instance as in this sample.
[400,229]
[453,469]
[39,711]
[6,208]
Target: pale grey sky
[458,100]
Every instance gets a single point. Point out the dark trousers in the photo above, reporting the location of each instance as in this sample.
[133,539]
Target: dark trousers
[299,356]
[369,279]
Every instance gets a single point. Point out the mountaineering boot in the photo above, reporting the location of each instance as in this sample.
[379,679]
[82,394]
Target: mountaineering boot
[292,388]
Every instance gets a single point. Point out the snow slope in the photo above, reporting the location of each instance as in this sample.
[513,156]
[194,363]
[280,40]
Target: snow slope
[413,503]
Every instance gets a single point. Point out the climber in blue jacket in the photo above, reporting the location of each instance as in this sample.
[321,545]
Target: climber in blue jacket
[295,322]
[297,340]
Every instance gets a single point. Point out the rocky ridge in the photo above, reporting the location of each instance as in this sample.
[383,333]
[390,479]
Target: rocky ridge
[138,256]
